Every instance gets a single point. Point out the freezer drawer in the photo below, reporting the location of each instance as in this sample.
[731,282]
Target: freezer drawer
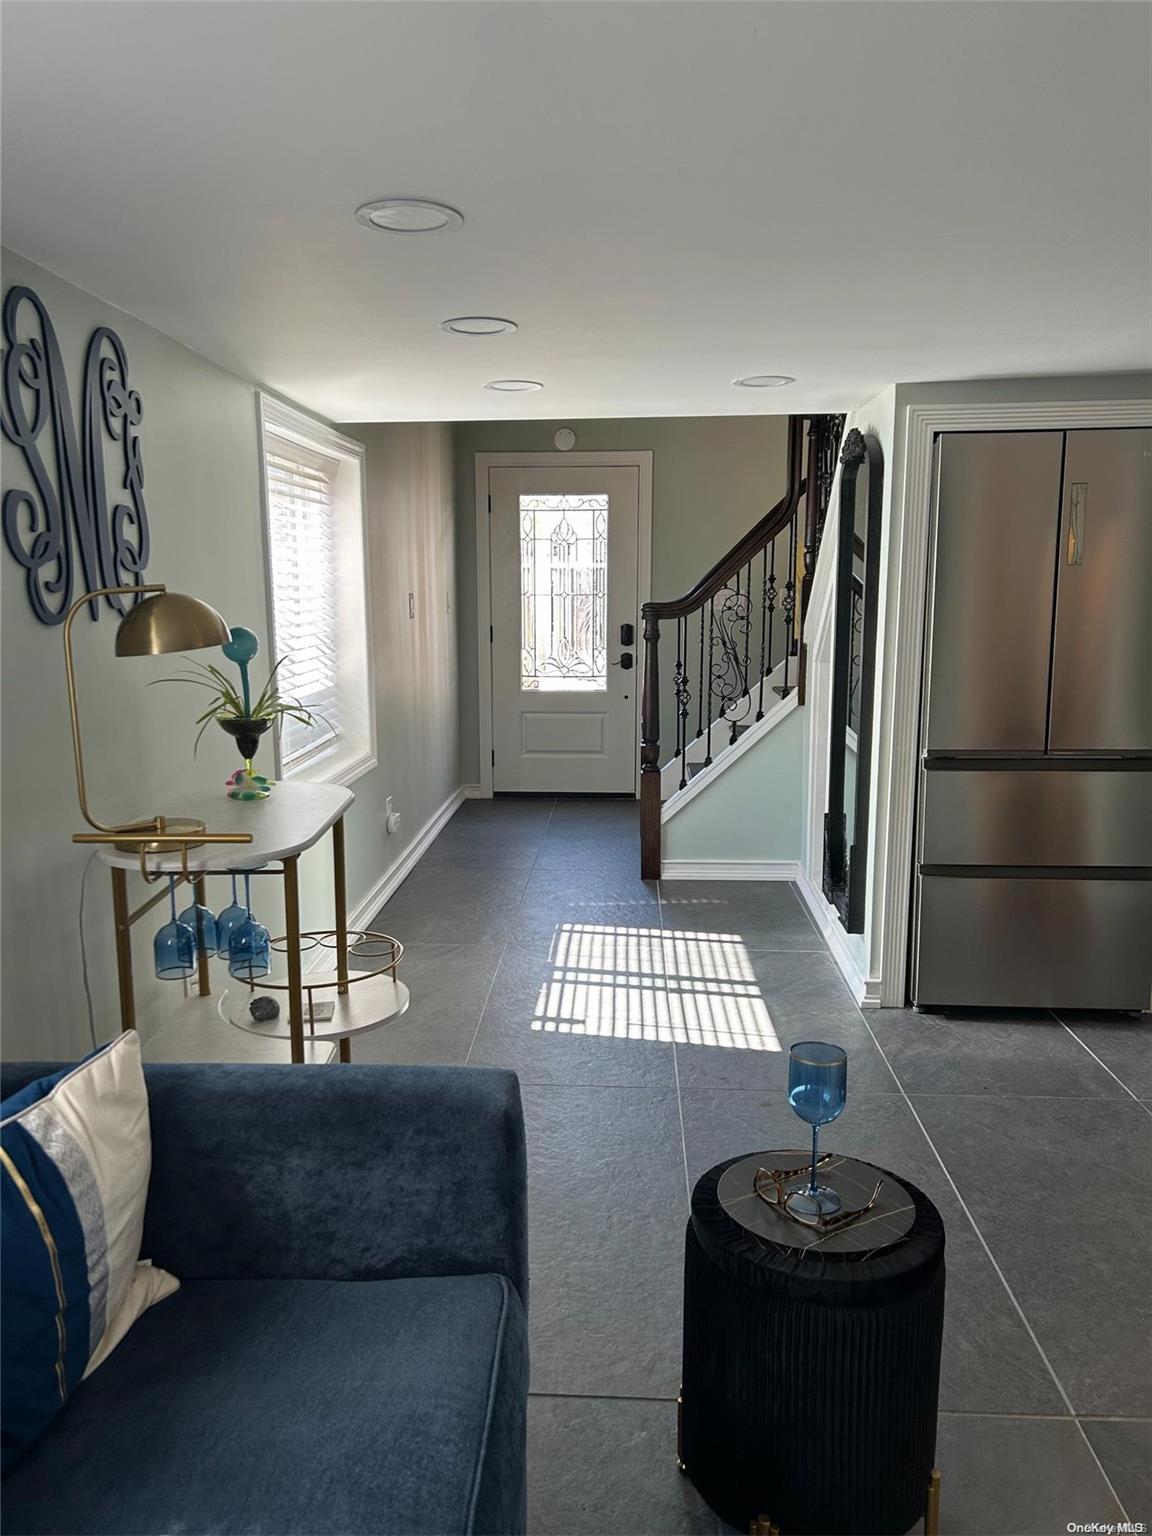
[1102,656]
[991,594]
[1039,816]
[1033,943]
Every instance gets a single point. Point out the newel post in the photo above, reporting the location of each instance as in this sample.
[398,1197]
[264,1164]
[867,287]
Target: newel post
[650,752]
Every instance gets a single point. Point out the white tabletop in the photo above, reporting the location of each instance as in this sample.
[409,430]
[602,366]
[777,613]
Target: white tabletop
[292,818]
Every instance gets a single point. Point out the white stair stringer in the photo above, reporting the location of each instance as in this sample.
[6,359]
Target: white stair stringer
[745,711]
[779,711]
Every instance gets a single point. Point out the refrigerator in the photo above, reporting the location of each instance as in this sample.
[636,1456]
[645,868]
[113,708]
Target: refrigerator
[1033,873]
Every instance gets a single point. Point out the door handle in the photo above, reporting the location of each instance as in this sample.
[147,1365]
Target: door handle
[1077,517]
[626,662]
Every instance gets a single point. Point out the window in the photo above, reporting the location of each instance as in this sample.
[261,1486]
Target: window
[313,488]
[563,593]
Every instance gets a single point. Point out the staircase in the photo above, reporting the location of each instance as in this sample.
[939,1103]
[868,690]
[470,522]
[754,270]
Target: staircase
[739,655]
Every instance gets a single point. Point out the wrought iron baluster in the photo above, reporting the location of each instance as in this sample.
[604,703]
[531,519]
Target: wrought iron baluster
[771,599]
[789,606]
[747,644]
[700,710]
[763,627]
[683,698]
[711,671]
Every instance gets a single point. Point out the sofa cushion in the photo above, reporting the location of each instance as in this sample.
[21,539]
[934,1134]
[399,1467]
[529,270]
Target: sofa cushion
[76,1152]
[284,1406]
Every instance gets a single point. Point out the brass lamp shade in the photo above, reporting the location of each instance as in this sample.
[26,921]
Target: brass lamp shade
[170,621]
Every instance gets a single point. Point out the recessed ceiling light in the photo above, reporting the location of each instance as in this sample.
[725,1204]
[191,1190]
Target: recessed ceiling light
[764,381]
[478,325]
[408,216]
[513,386]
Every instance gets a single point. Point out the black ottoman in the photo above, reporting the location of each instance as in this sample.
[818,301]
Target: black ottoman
[812,1364]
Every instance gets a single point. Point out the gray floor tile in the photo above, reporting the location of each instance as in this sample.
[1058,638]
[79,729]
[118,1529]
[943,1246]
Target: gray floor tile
[596,1013]
[607,1214]
[1123,1044]
[762,914]
[1124,1447]
[607,1467]
[989,1362]
[741,1009]
[554,905]
[474,905]
[1017,1477]
[988,1052]
[1062,1191]
[449,984]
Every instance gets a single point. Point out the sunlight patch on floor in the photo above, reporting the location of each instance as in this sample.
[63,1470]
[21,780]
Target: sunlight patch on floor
[623,983]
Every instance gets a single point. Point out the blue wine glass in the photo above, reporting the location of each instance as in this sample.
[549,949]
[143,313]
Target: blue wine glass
[227,923]
[249,948]
[174,947]
[817,1090]
[203,926]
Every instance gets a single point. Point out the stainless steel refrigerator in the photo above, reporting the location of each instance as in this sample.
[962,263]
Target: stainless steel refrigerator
[1034,822]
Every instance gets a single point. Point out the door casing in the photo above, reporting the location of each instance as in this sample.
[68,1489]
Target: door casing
[638,459]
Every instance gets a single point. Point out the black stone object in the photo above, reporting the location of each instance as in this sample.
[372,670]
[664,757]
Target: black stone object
[246,731]
[264,1009]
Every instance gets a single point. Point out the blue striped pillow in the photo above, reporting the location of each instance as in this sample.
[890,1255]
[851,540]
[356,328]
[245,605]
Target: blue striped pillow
[75,1156]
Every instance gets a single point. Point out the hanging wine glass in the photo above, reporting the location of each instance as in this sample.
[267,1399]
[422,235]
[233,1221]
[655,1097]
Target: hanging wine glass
[817,1091]
[227,923]
[249,948]
[174,947]
[203,925]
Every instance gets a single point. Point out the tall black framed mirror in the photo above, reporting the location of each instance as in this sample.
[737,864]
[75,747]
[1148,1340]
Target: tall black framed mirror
[847,815]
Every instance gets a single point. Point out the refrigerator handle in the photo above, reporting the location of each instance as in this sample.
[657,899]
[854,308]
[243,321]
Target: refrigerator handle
[1077,517]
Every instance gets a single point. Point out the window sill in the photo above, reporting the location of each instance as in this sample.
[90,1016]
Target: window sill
[341,765]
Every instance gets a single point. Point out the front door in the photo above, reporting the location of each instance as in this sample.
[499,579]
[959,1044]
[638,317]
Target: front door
[564,547]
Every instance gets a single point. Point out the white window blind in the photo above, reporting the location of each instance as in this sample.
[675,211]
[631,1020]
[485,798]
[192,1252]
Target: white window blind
[302,554]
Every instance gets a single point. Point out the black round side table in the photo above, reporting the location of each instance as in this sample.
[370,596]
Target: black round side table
[812,1357]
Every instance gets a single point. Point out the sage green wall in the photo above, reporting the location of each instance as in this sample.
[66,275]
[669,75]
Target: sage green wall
[753,810]
[713,477]
[202,487]
[411,529]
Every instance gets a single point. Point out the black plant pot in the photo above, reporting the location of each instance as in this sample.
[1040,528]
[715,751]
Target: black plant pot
[247,733]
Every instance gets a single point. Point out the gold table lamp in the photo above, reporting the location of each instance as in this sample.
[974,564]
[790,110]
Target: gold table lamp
[162,622]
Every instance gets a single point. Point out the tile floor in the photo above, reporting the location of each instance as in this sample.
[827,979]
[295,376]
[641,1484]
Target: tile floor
[667,1051]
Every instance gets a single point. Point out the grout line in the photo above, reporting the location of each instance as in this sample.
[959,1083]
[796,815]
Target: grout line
[803,905]
[506,941]
[1098,1062]
[675,1059]
[1003,1278]
[603,1397]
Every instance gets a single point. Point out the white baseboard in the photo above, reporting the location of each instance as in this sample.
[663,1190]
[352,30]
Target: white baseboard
[729,869]
[474,792]
[865,990]
[390,881]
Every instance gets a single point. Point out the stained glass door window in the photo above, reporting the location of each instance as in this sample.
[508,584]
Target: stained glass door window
[563,593]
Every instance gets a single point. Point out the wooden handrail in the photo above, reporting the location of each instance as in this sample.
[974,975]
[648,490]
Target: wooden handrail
[757,537]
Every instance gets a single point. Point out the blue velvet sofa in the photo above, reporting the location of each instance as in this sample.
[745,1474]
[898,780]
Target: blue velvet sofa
[348,1350]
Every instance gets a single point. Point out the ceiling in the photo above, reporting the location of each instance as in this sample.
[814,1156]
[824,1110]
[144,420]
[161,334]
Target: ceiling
[664,196]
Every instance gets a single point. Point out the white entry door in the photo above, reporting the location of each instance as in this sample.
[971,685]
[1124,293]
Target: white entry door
[564,560]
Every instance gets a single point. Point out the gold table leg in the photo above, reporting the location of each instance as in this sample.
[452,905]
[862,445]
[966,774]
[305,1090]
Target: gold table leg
[123,925]
[345,1050]
[295,968]
[932,1506]
[205,979]
[762,1526]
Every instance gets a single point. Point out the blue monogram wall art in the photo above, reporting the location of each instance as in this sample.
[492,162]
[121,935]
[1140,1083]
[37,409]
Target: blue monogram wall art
[67,530]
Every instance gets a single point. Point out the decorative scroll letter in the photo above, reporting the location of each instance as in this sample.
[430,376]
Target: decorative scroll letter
[63,525]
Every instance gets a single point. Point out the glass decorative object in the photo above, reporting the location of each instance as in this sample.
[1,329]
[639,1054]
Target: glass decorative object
[249,948]
[203,926]
[817,1091]
[227,923]
[174,947]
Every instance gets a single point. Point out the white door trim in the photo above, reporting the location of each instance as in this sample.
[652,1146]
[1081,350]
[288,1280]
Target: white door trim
[640,460]
[911,517]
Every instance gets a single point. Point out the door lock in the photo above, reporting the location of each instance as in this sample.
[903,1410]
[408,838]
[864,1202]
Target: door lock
[627,634]
[626,662]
